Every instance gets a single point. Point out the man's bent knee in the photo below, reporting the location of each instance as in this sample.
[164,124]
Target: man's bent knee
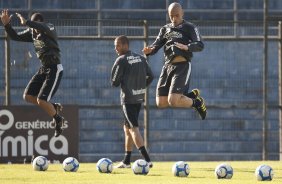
[173,100]
[126,130]
[162,103]
[28,98]
[40,102]
[134,131]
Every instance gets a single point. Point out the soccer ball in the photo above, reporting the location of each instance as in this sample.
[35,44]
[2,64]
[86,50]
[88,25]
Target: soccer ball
[180,169]
[40,163]
[140,167]
[104,165]
[70,164]
[223,171]
[264,173]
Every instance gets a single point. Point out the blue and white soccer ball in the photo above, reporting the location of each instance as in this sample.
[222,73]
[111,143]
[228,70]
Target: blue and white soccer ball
[70,164]
[223,171]
[140,167]
[40,163]
[180,169]
[104,165]
[264,173]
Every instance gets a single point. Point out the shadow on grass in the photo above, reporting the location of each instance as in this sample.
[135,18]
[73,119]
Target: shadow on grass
[117,173]
[198,169]
[155,175]
[195,177]
[82,171]
[62,171]
[49,170]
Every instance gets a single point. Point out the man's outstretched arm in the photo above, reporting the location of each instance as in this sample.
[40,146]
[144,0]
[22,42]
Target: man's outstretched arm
[24,36]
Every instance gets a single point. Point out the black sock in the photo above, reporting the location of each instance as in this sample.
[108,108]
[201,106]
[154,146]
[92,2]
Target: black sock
[57,117]
[127,156]
[144,153]
[195,103]
[190,95]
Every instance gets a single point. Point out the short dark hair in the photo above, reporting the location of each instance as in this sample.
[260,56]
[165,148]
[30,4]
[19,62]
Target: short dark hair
[123,39]
[37,17]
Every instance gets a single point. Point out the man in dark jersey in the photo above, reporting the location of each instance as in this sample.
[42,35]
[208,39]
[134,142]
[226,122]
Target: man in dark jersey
[45,82]
[132,73]
[179,38]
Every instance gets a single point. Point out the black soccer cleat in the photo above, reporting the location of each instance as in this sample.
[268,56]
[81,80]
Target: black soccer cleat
[195,93]
[59,127]
[200,107]
[150,164]
[58,107]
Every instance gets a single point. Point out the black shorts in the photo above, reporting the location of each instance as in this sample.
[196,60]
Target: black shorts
[131,113]
[45,82]
[174,78]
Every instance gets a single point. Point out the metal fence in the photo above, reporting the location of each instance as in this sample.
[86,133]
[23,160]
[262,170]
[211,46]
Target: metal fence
[230,75]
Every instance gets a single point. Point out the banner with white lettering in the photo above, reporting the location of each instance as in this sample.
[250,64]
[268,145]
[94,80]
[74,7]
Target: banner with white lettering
[27,132]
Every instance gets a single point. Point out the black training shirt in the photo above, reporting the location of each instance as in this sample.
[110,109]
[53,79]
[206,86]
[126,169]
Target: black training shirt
[185,33]
[132,72]
[45,42]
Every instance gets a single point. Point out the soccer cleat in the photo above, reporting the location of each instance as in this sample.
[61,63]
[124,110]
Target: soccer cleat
[58,127]
[195,93]
[200,107]
[150,164]
[122,165]
[58,107]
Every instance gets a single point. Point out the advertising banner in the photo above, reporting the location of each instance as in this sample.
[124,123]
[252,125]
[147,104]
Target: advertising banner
[27,132]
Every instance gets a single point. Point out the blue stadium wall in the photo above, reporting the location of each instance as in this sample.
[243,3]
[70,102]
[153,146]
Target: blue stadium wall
[229,73]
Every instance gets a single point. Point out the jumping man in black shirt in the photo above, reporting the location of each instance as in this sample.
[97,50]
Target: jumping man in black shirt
[45,82]
[179,38]
[132,73]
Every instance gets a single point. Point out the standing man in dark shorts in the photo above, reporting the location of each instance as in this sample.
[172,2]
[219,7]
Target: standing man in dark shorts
[45,82]
[179,38]
[132,72]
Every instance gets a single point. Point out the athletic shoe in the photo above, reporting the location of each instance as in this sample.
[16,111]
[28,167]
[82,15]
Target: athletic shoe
[58,107]
[150,164]
[195,93]
[122,165]
[58,127]
[200,107]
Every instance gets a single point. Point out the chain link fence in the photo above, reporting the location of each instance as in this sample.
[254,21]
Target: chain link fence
[228,71]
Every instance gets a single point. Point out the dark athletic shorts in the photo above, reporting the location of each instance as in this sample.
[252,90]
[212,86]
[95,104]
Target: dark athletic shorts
[131,113]
[45,82]
[174,78]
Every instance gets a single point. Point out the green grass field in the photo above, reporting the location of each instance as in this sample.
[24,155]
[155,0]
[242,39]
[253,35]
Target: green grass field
[200,173]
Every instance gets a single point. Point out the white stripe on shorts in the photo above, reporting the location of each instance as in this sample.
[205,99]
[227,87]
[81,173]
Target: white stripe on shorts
[125,113]
[59,69]
[188,74]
